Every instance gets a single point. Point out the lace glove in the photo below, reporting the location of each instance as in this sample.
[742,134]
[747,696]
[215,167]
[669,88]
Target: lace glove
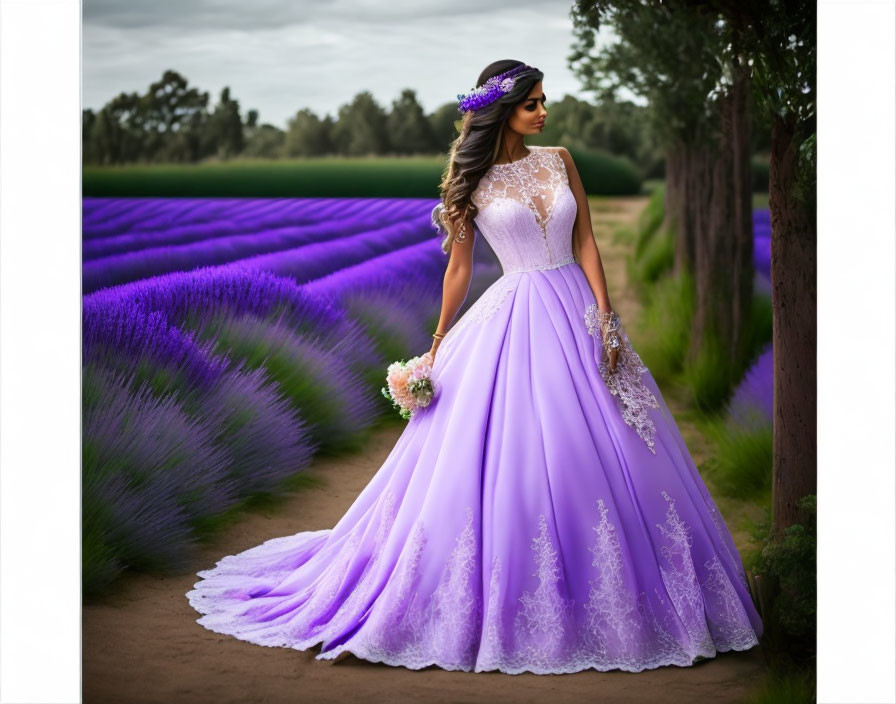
[610,326]
[621,368]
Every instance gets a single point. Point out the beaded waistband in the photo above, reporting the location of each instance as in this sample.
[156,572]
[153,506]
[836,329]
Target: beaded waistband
[566,260]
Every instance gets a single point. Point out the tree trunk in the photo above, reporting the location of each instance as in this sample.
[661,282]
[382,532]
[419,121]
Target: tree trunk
[680,205]
[741,246]
[704,194]
[723,271]
[688,194]
[793,272]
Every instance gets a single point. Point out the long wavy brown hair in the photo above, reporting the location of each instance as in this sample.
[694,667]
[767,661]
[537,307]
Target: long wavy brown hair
[477,146]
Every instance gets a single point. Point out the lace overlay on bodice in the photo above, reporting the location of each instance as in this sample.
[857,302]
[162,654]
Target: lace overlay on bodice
[527,211]
[533,180]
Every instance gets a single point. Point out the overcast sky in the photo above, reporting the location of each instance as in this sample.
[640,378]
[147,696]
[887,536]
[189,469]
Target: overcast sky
[279,56]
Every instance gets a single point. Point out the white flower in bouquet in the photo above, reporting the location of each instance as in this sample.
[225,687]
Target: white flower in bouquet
[410,385]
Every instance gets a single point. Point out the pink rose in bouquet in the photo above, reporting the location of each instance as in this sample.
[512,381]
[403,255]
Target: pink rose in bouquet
[410,386]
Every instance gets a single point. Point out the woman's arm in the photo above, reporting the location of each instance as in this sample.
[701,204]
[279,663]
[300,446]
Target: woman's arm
[456,282]
[583,244]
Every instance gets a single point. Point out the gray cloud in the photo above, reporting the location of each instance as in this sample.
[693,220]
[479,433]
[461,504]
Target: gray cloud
[279,57]
[261,14]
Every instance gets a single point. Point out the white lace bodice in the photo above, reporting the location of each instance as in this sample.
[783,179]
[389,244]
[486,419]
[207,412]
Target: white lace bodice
[527,211]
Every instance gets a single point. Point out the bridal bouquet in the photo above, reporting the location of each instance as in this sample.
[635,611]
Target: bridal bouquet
[410,386]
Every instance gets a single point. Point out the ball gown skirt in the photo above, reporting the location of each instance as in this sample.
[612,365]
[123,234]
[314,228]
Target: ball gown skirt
[527,520]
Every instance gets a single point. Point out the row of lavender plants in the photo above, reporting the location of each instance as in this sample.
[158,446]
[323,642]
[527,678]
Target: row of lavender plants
[743,462]
[305,239]
[218,366]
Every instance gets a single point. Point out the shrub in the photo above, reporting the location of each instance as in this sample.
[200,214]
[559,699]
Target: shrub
[785,569]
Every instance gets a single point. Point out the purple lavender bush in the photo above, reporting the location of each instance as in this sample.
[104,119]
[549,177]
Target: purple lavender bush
[149,470]
[313,248]
[752,404]
[190,299]
[762,236]
[131,339]
[314,376]
[742,465]
[158,472]
[189,221]
[269,440]
[762,251]
[744,437]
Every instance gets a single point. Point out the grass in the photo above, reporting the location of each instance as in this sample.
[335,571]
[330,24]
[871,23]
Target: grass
[330,176]
[650,221]
[664,326]
[741,465]
[711,375]
[784,688]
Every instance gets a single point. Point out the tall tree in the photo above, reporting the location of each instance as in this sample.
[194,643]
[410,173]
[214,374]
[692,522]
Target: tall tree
[360,127]
[780,36]
[729,58]
[409,130]
[169,105]
[88,118]
[681,59]
[265,142]
[444,120]
[117,135]
[224,131]
[308,135]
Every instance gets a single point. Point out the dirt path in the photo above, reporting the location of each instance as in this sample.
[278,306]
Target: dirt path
[143,644]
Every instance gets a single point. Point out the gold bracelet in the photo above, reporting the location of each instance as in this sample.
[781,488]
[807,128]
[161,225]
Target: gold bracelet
[438,335]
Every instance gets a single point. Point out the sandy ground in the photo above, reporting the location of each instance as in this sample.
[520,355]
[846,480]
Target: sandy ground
[142,643]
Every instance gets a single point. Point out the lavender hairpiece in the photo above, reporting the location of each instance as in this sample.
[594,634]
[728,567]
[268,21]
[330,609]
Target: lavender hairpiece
[491,90]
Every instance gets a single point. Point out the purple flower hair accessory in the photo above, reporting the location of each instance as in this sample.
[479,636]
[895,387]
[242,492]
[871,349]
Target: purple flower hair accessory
[491,90]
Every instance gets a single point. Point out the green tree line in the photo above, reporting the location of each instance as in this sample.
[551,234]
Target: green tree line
[173,122]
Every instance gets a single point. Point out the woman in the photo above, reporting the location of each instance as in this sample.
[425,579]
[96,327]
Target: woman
[542,514]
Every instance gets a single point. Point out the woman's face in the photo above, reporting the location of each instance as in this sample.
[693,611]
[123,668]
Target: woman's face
[529,115]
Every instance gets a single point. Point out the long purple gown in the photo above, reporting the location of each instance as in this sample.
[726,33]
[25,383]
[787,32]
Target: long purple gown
[539,515]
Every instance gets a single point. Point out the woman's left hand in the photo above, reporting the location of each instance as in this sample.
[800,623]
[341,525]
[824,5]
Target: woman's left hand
[613,356]
[610,337]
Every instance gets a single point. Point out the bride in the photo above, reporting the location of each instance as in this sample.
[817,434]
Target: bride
[542,514]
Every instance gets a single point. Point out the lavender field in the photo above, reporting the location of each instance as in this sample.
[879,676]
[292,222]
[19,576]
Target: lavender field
[226,342]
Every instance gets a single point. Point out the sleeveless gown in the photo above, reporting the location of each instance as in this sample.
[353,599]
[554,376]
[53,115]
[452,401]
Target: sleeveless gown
[540,515]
